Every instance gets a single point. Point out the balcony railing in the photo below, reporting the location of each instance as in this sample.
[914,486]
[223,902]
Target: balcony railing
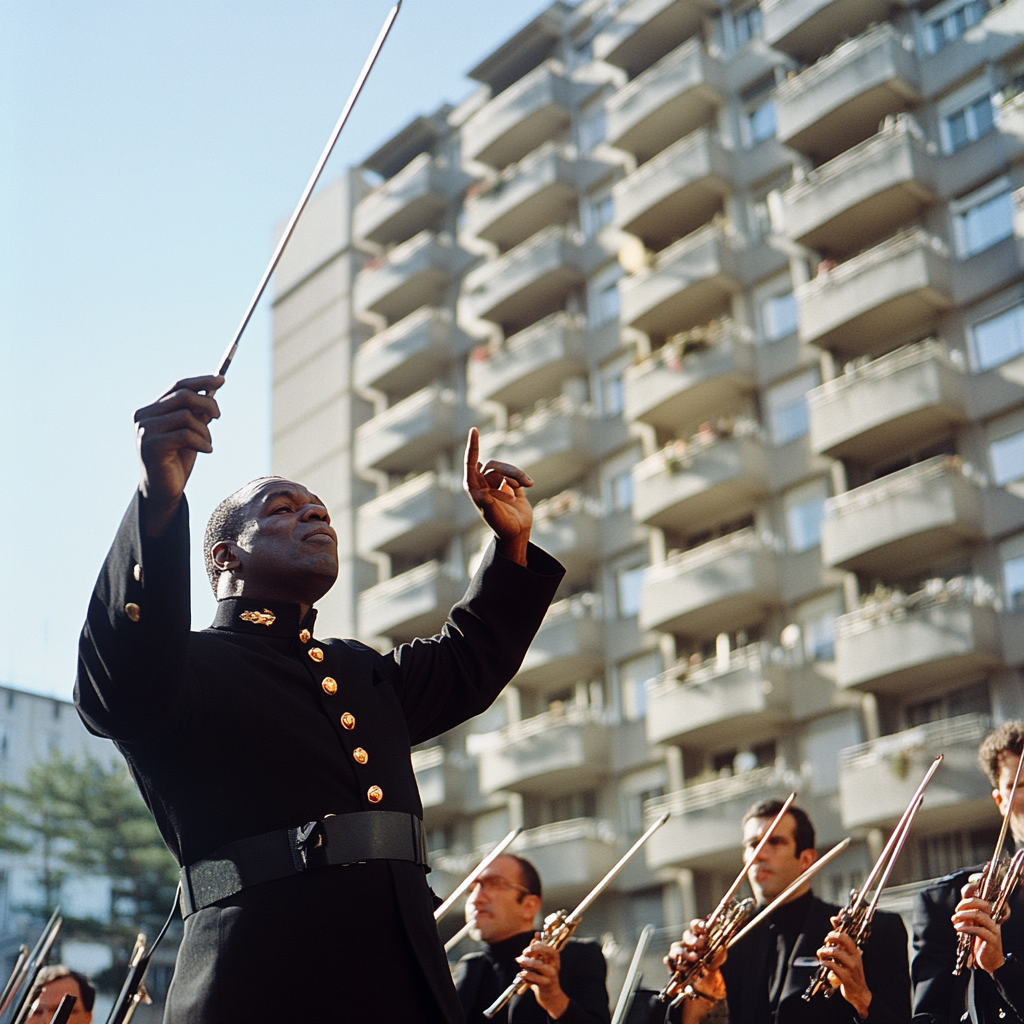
[568,527]
[643,31]
[877,298]
[571,856]
[415,603]
[669,100]
[893,403]
[692,377]
[568,646]
[878,779]
[907,517]
[446,784]
[807,27]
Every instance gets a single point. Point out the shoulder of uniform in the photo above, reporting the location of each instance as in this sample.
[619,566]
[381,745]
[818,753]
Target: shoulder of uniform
[477,954]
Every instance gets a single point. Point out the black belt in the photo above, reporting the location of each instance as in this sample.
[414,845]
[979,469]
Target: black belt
[337,839]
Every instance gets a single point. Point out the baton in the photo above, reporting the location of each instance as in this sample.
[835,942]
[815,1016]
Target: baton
[232,348]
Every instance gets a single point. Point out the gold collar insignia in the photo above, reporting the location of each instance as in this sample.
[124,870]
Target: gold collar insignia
[263,618]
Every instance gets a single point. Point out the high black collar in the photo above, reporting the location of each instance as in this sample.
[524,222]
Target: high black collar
[262,618]
[508,949]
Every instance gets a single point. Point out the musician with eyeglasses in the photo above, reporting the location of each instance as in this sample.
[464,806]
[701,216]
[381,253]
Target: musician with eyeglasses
[566,985]
[992,990]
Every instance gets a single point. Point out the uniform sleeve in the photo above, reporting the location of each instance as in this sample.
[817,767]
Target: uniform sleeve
[937,996]
[447,679]
[1009,981]
[887,971]
[133,648]
[586,987]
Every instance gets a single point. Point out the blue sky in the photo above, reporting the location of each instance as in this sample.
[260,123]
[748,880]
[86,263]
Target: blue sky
[146,152]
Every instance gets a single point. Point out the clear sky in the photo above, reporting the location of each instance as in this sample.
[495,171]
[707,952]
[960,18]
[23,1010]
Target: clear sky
[146,152]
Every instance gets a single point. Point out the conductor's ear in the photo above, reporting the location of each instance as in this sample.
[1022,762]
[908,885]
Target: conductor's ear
[224,556]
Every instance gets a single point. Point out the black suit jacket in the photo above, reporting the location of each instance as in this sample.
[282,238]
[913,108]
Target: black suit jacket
[582,977]
[941,997]
[885,967]
[231,732]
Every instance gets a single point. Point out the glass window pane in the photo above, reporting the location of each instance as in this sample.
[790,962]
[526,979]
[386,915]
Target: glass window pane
[957,125]
[1013,575]
[630,582]
[984,120]
[1007,458]
[999,338]
[988,223]
[781,317]
[762,122]
[803,524]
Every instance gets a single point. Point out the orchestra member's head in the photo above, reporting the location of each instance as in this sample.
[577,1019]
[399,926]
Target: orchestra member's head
[504,900]
[787,854]
[999,756]
[52,984]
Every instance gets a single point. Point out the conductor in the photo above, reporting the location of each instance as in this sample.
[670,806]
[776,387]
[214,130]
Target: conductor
[276,762]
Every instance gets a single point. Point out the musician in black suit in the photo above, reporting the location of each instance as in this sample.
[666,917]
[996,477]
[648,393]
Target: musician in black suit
[763,977]
[566,985]
[276,763]
[993,989]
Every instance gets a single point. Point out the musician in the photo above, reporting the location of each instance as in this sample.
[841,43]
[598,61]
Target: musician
[51,985]
[993,990]
[567,985]
[277,763]
[762,978]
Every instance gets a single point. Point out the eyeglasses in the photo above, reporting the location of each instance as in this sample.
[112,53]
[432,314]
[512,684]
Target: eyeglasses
[493,884]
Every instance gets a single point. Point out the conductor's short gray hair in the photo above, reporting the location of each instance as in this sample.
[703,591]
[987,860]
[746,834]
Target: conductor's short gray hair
[227,522]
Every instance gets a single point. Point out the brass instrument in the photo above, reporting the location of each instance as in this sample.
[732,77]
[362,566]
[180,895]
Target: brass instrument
[28,966]
[855,918]
[990,888]
[559,927]
[723,923]
[468,881]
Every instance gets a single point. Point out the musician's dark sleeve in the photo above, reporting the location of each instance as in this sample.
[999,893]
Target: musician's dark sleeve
[1009,980]
[887,971]
[938,996]
[583,980]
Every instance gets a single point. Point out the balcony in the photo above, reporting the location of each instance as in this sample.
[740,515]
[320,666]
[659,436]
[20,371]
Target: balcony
[531,364]
[445,783]
[418,515]
[414,199]
[415,603]
[529,281]
[409,354]
[897,642]
[675,192]
[568,647]
[838,101]
[557,752]
[401,439]
[806,28]
[741,695]
[568,527]
[691,282]
[643,31]
[873,301]
[864,193]
[570,856]
[894,403]
[906,518]
[514,123]
[689,486]
[555,445]
[415,273]
[718,587]
[669,100]
[691,379]
[538,191]
[706,820]
[877,780]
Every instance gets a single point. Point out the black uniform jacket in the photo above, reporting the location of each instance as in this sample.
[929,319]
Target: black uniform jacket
[581,975]
[941,997]
[248,727]
[885,968]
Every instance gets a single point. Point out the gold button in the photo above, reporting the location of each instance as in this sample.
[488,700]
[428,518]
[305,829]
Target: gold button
[360,755]
[348,720]
[316,654]
[304,636]
[330,686]
[375,794]
[137,572]
[133,611]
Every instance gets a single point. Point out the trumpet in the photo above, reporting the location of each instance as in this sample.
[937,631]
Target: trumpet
[992,887]
[855,918]
[560,926]
[723,923]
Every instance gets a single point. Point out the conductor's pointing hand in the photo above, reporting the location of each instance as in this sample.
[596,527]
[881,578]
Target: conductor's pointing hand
[496,489]
[170,433]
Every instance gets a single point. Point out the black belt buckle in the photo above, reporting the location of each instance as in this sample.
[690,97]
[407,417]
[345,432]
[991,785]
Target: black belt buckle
[302,841]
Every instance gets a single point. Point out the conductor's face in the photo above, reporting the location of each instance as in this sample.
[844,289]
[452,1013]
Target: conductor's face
[288,549]
[778,864]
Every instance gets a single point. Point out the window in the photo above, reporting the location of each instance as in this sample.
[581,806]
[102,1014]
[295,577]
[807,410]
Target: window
[787,408]
[761,120]
[622,492]
[1012,552]
[999,338]
[614,394]
[596,213]
[805,508]
[1007,458]
[984,219]
[817,619]
[628,585]
[780,316]
[968,123]
[953,21]
[592,126]
[634,676]
[604,296]
[747,25]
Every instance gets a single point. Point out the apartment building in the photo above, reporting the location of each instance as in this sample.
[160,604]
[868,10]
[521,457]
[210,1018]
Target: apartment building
[739,287]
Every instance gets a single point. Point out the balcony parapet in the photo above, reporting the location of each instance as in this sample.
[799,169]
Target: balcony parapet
[568,646]
[799,27]
[568,527]
[414,603]
[703,795]
[642,31]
